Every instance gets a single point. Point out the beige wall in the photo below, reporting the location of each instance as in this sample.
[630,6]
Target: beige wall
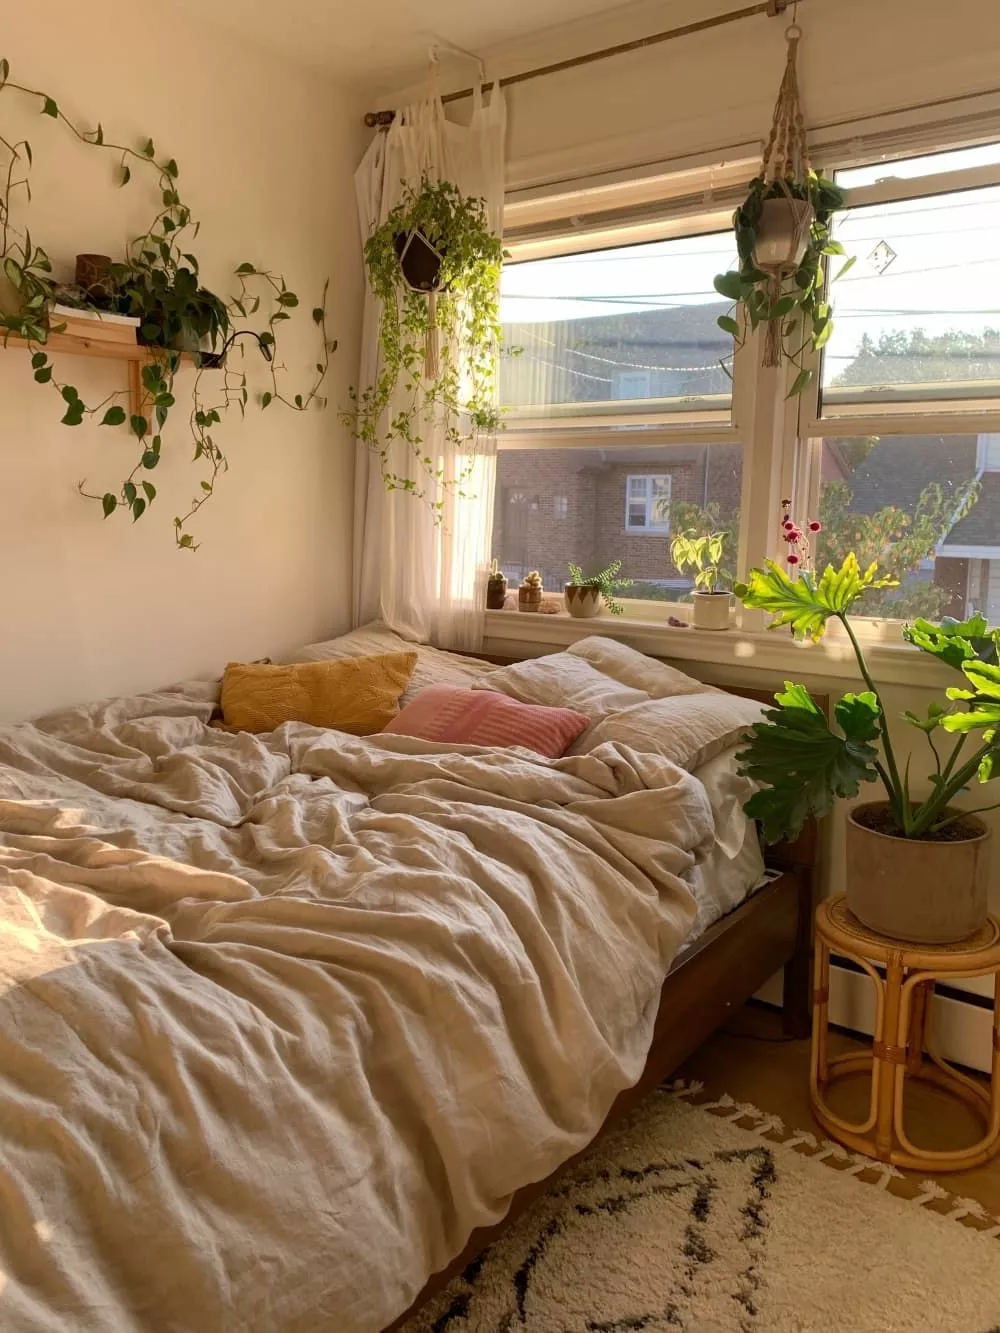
[266,153]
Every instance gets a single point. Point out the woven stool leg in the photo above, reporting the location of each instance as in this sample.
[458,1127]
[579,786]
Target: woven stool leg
[923,994]
[887,1051]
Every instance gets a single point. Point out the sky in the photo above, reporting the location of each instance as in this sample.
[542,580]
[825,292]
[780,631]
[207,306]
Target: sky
[941,270]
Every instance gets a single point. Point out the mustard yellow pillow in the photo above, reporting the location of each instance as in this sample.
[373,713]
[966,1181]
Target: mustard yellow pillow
[355,694]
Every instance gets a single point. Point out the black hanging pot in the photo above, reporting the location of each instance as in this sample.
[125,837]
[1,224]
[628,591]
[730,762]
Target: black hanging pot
[419,260]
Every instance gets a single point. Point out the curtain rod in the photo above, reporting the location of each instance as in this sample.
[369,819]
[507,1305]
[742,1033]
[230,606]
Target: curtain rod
[773,8]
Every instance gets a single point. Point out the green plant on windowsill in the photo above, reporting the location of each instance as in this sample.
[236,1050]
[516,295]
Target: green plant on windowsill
[604,584]
[703,555]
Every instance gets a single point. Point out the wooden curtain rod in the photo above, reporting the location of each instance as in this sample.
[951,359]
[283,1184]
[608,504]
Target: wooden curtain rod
[773,8]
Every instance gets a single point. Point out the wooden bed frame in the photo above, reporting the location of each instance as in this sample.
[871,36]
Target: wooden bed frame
[769,932]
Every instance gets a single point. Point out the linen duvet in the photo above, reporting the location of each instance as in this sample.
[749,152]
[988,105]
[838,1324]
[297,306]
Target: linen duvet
[284,1017]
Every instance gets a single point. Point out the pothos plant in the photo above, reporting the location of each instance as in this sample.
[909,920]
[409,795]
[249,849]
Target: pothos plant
[434,266]
[157,280]
[794,302]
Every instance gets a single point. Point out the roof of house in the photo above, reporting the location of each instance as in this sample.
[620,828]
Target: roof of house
[981,525]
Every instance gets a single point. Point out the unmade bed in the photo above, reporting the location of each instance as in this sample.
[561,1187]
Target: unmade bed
[289,1021]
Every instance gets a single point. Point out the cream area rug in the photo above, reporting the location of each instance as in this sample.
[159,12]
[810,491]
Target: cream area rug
[713,1218]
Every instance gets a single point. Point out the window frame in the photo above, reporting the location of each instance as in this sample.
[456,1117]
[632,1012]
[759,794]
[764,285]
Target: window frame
[781,438]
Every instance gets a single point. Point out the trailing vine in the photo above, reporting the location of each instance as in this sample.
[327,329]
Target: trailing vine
[158,282]
[438,345]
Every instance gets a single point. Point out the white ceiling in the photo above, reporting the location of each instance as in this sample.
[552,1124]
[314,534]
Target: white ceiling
[382,43]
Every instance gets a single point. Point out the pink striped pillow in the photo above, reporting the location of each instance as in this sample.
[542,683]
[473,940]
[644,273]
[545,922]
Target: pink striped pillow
[483,717]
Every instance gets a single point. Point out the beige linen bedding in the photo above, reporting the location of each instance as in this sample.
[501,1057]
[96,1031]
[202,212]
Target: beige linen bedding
[284,1017]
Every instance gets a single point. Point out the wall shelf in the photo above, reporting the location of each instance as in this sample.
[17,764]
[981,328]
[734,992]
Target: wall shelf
[134,354]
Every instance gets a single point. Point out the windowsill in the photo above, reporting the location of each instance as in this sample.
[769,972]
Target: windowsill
[892,663]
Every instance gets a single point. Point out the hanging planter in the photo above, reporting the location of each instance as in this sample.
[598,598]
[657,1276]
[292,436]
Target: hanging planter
[419,261]
[783,235]
[434,265]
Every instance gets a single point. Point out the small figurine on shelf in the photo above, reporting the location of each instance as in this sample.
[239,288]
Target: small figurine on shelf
[496,588]
[529,595]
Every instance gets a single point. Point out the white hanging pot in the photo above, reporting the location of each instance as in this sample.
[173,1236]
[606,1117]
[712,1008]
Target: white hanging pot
[783,233]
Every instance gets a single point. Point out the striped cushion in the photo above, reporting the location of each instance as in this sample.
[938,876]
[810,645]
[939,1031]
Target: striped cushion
[480,717]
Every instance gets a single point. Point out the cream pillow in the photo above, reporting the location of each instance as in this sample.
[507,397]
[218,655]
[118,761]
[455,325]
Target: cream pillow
[624,664]
[689,728]
[562,680]
[359,695]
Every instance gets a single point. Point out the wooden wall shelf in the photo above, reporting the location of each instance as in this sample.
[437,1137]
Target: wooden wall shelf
[134,354]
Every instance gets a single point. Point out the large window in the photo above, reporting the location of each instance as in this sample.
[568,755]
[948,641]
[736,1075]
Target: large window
[629,419]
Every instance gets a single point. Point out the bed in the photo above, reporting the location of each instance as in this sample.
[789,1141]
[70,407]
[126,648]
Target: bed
[289,1023]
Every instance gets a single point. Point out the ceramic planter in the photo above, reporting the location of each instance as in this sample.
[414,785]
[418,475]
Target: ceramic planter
[529,599]
[783,233]
[711,610]
[913,889]
[582,601]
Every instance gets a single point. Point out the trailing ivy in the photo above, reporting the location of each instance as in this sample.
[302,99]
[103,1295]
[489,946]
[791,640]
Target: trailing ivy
[462,314]
[157,281]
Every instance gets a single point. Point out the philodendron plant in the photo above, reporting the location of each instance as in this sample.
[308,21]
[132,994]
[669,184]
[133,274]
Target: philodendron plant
[703,555]
[804,764]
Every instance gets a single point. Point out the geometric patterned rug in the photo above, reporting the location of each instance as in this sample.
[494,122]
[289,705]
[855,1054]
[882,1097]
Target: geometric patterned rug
[714,1219]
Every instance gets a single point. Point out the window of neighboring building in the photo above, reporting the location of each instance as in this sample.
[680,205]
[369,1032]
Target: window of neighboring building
[560,506]
[647,504]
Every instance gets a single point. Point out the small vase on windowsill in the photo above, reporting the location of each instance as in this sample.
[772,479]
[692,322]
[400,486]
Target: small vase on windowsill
[711,610]
[529,595]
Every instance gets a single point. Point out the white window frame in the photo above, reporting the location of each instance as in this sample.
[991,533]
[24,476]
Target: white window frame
[652,526]
[781,438]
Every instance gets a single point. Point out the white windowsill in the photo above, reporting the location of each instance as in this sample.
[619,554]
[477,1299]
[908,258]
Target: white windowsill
[772,651]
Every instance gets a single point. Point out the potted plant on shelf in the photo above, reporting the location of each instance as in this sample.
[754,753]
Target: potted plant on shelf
[704,555]
[917,865]
[783,235]
[529,594]
[587,596]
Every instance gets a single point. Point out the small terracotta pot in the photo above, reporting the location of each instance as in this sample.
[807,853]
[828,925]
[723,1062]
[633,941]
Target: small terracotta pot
[783,233]
[581,601]
[529,599]
[711,610]
[914,889]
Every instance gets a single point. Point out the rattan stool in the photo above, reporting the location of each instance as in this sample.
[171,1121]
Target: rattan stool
[904,976]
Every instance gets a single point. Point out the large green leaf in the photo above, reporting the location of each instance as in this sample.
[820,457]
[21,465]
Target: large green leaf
[955,641]
[805,603]
[983,700]
[803,763]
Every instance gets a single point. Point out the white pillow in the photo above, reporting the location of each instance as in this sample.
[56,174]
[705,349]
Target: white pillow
[689,729]
[562,680]
[596,676]
[624,664]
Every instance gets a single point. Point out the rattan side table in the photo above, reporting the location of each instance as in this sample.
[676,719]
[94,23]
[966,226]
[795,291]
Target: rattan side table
[904,976]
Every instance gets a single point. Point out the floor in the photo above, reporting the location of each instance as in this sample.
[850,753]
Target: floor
[752,1062]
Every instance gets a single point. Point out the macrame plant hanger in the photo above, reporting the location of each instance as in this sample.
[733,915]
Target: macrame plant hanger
[785,223]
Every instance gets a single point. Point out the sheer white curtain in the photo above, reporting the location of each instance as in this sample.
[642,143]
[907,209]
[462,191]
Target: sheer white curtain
[426,579]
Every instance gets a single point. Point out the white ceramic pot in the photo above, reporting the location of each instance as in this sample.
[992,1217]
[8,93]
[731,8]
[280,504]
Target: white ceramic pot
[783,233]
[581,601]
[711,609]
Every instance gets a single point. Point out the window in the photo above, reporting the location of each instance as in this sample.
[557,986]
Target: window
[629,418]
[647,504]
[634,325]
